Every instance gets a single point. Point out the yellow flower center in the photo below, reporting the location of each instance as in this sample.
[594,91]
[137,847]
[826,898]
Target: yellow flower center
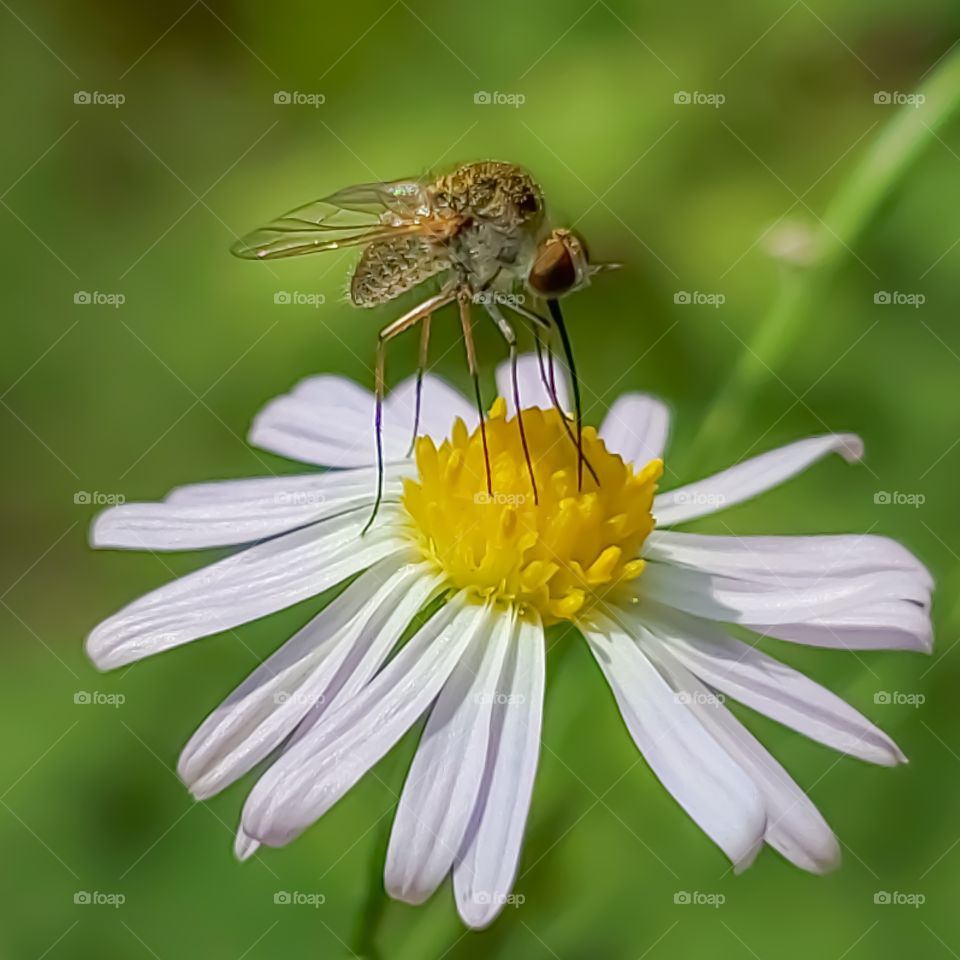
[559,552]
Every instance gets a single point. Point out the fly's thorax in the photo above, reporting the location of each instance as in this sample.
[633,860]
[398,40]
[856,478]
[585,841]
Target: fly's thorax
[500,194]
[501,208]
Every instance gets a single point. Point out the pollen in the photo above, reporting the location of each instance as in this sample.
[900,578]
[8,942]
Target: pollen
[558,552]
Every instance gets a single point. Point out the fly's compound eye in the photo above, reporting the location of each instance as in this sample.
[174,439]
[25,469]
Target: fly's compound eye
[560,266]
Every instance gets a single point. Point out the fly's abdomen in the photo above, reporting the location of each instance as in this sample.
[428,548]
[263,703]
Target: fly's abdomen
[388,268]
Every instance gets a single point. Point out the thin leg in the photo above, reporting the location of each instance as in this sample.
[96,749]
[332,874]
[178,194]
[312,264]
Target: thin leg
[550,381]
[390,331]
[511,337]
[463,300]
[421,367]
[557,316]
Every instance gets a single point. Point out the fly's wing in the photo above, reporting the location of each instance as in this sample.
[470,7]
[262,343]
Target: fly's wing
[360,214]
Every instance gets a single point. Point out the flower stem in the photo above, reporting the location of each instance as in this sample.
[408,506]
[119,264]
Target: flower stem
[884,166]
[364,940]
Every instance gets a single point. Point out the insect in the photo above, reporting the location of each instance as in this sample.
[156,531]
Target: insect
[481,231]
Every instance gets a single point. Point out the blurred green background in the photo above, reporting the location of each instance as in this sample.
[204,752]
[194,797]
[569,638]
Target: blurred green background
[143,199]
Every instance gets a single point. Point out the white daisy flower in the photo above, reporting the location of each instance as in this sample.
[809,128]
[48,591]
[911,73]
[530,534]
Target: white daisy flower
[651,603]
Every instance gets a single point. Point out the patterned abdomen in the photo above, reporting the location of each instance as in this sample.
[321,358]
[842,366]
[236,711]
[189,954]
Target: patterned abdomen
[388,268]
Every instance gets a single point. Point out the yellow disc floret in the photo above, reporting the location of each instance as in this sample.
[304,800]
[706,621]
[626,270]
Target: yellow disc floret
[558,552]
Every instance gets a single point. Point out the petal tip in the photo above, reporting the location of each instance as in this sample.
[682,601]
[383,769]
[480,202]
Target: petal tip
[851,447]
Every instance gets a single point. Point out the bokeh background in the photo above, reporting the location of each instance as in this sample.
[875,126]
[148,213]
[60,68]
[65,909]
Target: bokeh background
[105,399]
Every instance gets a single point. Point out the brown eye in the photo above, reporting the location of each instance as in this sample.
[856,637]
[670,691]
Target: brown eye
[553,272]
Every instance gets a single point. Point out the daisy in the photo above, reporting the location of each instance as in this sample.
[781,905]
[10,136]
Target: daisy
[496,570]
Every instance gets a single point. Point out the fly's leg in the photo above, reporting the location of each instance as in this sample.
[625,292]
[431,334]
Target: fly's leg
[557,316]
[390,331]
[548,376]
[510,336]
[463,301]
[421,367]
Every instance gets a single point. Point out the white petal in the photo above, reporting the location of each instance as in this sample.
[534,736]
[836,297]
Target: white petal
[888,625]
[763,601]
[783,560]
[265,709]
[442,786]
[689,762]
[325,420]
[329,759]
[769,687]
[239,512]
[266,577]
[636,428]
[486,867]
[795,827]
[533,392]
[747,479]
[440,406]
[244,847]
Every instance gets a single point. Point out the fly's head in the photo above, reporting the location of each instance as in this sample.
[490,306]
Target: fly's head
[560,265]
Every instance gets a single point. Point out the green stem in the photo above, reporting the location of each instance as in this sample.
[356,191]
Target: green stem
[879,173]
[364,940]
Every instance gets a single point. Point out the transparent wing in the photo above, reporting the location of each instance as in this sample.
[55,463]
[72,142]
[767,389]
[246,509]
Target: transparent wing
[358,214]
